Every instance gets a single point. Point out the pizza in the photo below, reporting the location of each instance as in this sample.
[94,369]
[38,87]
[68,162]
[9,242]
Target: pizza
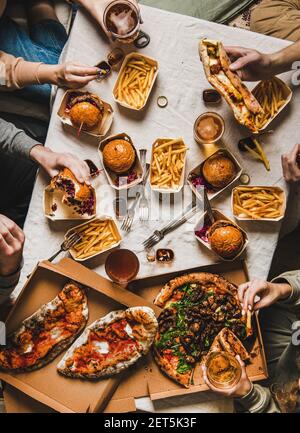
[216,64]
[196,307]
[47,332]
[111,344]
[227,341]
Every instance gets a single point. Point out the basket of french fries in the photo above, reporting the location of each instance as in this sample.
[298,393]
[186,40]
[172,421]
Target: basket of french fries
[168,162]
[97,236]
[273,95]
[264,203]
[135,81]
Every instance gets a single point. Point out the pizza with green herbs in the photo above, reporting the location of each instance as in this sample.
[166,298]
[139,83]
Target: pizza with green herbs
[196,307]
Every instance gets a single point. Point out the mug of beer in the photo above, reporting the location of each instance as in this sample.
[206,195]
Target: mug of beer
[122,19]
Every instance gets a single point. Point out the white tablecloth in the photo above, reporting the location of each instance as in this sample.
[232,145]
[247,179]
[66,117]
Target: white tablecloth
[174,43]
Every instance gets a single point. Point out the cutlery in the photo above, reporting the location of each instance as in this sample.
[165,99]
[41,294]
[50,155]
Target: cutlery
[68,243]
[158,235]
[128,220]
[143,205]
[208,208]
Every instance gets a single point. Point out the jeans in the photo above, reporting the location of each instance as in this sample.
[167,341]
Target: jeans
[44,44]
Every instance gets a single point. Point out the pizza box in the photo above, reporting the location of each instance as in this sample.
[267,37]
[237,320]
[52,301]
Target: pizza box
[72,251]
[198,171]
[111,176]
[159,385]
[45,385]
[99,131]
[286,93]
[181,183]
[276,189]
[203,239]
[130,56]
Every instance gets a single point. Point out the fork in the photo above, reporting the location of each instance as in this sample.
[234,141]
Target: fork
[158,235]
[128,220]
[68,243]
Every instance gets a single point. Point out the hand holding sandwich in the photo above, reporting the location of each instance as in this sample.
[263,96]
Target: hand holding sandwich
[53,162]
[252,65]
[11,246]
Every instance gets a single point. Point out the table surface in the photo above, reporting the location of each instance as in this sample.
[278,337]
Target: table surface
[174,43]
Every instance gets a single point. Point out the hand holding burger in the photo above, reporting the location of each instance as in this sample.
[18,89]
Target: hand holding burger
[53,162]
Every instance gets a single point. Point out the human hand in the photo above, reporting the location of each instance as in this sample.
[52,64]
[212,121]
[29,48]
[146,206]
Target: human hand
[11,246]
[268,293]
[250,65]
[53,162]
[290,167]
[74,75]
[242,388]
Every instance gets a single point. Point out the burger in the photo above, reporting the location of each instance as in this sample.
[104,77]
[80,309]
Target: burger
[119,156]
[219,170]
[226,239]
[85,110]
[80,196]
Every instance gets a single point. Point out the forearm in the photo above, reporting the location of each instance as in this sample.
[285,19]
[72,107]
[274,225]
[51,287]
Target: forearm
[258,400]
[293,279]
[282,61]
[14,141]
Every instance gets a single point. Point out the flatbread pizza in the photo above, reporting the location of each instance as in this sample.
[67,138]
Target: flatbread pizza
[47,332]
[196,307]
[226,341]
[110,344]
[216,64]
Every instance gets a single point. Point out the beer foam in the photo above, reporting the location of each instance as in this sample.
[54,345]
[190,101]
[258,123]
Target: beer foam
[123,21]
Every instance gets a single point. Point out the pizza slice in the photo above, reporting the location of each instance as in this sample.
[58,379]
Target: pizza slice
[216,65]
[227,341]
[80,196]
[45,334]
[110,344]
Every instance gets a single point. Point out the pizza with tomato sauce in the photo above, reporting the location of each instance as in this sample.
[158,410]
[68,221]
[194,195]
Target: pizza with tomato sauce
[111,344]
[45,334]
[196,307]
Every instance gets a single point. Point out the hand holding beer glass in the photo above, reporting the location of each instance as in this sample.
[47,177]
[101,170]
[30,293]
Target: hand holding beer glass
[120,19]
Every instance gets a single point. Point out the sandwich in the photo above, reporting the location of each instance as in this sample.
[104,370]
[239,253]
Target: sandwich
[85,110]
[226,239]
[219,170]
[119,156]
[216,64]
[80,196]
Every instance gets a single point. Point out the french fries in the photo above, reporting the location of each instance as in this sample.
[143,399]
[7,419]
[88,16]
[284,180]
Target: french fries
[135,82]
[270,95]
[258,202]
[168,160]
[97,235]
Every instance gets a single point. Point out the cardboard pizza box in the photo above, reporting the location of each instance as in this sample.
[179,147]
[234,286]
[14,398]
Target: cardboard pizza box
[160,386]
[46,385]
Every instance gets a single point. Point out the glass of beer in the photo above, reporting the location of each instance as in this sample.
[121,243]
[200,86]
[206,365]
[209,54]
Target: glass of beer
[122,19]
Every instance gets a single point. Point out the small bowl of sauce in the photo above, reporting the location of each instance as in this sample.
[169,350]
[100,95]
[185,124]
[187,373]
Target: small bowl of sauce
[122,266]
[209,128]
[223,370]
